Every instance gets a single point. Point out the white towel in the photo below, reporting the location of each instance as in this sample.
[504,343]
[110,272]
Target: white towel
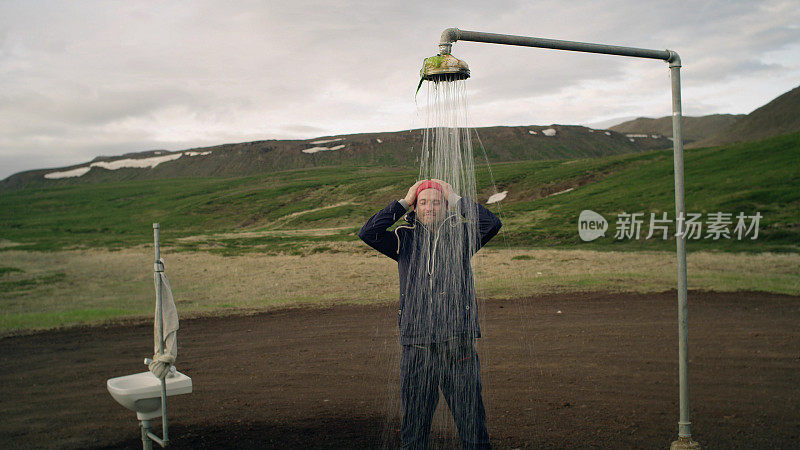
[162,361]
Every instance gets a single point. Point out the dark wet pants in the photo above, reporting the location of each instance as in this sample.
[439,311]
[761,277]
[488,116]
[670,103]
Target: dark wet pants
[452,365]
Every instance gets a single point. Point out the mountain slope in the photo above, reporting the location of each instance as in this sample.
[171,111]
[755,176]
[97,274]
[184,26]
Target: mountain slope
[778,117]
[694,128]
[368,149]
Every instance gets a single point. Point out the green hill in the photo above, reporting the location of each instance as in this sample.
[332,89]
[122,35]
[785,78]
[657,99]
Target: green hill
[780,116]
[368,149]
[260,210]
[694,128]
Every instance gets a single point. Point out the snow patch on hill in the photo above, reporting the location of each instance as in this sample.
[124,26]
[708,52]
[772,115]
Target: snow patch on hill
[322,149]
[67,173]
[141,163]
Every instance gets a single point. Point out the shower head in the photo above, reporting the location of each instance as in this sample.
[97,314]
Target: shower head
[444,67]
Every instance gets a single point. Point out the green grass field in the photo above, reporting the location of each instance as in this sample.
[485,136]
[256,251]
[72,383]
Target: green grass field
[83,253]
[62,288]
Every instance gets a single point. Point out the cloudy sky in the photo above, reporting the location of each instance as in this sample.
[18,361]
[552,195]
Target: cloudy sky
[83,78]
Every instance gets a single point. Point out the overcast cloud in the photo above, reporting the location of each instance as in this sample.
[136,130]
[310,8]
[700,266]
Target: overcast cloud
[80,79]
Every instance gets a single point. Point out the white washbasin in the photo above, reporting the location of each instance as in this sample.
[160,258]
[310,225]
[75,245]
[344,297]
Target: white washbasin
[141,392]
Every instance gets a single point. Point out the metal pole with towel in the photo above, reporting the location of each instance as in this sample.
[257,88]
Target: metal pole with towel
[165,333]
[146,392]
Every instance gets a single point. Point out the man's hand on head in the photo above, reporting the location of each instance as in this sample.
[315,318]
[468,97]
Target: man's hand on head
[449,193]
[412,193]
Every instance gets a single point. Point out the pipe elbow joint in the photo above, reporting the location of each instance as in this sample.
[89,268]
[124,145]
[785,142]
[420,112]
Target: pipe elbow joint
[449,36]
[674,59]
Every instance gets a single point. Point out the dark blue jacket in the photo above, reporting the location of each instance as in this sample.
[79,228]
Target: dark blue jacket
[437,290]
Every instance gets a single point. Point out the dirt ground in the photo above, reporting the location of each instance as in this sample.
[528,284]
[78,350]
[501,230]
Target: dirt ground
[602,373]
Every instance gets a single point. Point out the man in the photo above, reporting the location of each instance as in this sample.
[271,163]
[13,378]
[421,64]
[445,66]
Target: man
[438,315]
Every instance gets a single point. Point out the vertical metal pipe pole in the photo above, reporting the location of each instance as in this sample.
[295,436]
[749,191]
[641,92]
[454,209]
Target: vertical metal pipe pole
[684,425]
[158,270]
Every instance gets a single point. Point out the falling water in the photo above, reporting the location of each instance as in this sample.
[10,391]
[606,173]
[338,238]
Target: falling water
[447,147]
[439,314]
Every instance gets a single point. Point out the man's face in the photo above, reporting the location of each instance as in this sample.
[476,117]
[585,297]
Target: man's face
[430,206]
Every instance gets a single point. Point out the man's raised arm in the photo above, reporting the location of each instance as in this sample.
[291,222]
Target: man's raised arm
[375,232]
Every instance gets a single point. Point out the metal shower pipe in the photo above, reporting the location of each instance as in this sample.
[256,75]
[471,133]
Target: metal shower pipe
[451,35]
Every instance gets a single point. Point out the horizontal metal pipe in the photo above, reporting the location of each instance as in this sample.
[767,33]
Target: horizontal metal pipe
[451,35]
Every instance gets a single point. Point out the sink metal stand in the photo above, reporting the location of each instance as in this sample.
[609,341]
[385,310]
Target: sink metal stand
[148,436]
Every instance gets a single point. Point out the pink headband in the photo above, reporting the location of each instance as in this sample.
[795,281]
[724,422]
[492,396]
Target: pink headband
[428,184]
